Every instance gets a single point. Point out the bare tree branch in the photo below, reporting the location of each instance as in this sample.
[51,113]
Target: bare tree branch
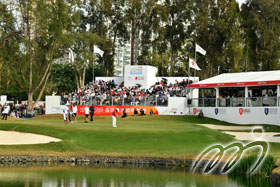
[47,70]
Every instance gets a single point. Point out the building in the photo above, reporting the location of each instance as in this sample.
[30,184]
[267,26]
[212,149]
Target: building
[242,98]
[123,56]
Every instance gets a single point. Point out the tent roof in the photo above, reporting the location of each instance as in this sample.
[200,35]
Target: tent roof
[240,79]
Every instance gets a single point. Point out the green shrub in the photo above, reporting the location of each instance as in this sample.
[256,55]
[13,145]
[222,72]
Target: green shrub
[246,163]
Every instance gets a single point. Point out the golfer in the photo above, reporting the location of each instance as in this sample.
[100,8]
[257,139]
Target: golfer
[65,113]
[86,114]
[114,117]
[92,109]
[74,114]
[5,112]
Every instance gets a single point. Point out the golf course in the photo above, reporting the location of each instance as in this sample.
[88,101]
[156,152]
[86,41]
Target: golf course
[135,136]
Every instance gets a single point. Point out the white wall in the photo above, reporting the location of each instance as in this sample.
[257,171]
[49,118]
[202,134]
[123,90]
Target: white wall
[177,105]
[143,75]
[242,115]
[53,105]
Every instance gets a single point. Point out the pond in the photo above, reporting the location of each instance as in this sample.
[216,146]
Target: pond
[79,176]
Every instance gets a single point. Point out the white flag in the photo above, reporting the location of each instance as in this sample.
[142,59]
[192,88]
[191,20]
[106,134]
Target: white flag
[199,49]
[192,64]
[96,50]
[71,55]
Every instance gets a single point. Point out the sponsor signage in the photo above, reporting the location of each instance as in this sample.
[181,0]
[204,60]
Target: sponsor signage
[56,110]
[107,110]
[173,110]
[136,70]
[266,110]
[243,111]
[270,111]
[194,111]
[242,115]
[139,78]
[231,84]
[220,111]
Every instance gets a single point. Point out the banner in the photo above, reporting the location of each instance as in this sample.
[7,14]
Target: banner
[107,110]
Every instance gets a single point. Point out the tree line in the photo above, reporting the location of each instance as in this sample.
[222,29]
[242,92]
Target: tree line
[36,35]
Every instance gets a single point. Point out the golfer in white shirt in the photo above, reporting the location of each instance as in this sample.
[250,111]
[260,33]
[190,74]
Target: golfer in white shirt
[86,113]
[65,113]
[74,114]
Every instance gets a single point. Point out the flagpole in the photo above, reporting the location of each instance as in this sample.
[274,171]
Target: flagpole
[189,72]
[186,89]
[195,61]
[93,65]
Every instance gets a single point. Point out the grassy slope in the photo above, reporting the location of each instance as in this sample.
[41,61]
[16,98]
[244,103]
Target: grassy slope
[162,136]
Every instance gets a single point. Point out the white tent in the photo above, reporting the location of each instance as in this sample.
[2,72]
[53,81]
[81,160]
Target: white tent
[240,79]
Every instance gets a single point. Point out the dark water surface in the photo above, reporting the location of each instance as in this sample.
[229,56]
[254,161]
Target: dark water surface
[99,176]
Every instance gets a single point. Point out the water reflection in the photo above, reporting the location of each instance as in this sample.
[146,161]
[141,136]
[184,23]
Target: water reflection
[252,181]
[107,177]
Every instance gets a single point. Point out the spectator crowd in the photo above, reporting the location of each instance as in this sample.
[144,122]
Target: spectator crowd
[108,93]
[19,111]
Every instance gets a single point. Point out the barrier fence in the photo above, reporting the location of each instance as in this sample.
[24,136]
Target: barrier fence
[269,101]
[118,101]
[236,102]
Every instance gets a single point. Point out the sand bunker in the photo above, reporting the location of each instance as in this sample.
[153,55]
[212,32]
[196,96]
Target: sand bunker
[19,138]
[230,128]
[247,136]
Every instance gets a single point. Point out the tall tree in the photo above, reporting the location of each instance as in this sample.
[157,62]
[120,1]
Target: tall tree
[134,12]
[177,28]
[228,22]
[7,24]
[9,44]
[43,24]
[260,21]
[83,55]
[217,30]
[106,20]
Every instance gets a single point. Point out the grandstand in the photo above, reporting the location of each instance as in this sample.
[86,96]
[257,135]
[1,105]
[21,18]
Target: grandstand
[109,93]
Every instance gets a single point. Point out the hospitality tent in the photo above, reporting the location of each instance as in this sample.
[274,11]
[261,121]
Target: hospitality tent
[240,79]
[241,98]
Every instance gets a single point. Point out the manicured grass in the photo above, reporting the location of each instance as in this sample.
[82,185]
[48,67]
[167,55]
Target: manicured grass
[159,136]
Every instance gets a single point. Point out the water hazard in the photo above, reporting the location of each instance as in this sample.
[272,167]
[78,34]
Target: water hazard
[78,176]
